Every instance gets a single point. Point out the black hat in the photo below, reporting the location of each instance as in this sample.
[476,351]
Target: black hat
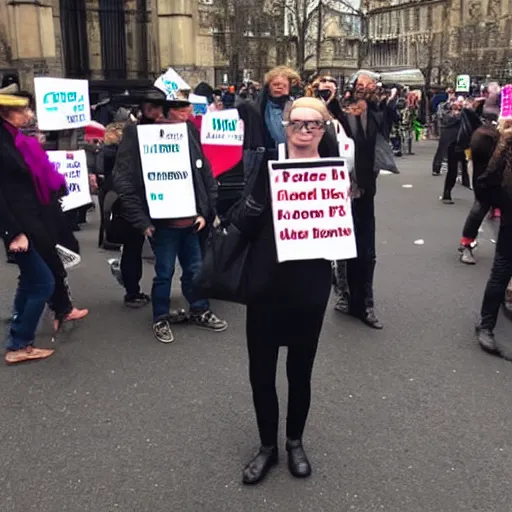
[152,95]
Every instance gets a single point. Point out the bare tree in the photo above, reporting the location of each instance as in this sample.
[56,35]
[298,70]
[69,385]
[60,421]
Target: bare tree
[5,46]
[303,26]
[244,30]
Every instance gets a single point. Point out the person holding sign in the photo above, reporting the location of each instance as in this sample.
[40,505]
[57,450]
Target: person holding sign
[166,191]
[289,310]
[31,224]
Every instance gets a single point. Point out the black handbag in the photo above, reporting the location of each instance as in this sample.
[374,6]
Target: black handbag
[224,273]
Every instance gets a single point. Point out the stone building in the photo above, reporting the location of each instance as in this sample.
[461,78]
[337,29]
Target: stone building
[116,40]
[441,37]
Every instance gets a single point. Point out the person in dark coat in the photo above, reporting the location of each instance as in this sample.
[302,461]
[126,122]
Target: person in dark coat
[169,238]
[363,120]
[494,187]
[287,292]
[32,224]
[482,144]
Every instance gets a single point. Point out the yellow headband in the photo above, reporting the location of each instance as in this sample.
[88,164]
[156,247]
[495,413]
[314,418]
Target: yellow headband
[7,100]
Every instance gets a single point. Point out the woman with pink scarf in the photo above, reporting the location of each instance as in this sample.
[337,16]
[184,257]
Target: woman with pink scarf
[31,224]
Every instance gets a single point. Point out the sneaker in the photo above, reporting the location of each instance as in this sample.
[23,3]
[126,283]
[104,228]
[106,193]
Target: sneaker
[162,331]
[136,300]
[485,338]
[467,256]
[207,320]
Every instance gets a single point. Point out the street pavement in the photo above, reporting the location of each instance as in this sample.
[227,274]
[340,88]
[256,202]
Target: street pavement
[414,418]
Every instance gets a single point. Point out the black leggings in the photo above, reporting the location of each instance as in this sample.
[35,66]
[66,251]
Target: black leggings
[263,347]
[499,279]
[262,372]
[474,219]
[454,157]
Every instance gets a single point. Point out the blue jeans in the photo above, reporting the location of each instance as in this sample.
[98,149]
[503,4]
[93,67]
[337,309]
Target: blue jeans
[167,243]
[35,287]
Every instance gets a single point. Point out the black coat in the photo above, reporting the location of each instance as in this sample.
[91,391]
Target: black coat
[129,184]
[365,175]
[494,186]
[301,283]
[21,212]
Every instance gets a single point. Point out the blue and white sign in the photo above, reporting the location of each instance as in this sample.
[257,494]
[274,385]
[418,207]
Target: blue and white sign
[170,83]
[73,165]
[199,104]
[62,103]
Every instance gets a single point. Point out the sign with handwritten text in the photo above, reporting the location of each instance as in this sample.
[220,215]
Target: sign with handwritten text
[311,210]
[222,139]
[170,83]
[223,128]
[62,103]
[73,164]
[167,171]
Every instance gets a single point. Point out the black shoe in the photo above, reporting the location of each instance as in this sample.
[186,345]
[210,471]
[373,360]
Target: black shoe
[486,340]
[370,319]
[260,465]
[298,462]
[136,300]
[207,320]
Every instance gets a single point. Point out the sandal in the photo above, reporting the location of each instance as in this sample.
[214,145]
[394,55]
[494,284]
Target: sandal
[75,314]
[27,354]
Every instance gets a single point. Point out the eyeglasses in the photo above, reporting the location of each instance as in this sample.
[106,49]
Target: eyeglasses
[328,80]
[311,126]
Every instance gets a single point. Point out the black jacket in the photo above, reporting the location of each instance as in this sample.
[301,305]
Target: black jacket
[494,186]
[295,282]
[21,212]
[366,177]
[129,184]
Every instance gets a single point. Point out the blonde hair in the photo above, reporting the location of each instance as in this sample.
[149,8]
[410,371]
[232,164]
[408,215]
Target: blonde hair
[113,133]
[505,125]
[282,71]
[308,102]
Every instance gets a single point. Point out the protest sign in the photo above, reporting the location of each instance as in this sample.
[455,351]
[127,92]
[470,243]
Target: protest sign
[62,103]
[311,210]
[463,83]
[199,104]
[170,83]
[73,165]
[222,139]
[167,171]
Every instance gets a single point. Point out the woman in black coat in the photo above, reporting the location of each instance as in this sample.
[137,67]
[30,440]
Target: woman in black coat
[32,224]
[288,309]
[494,187]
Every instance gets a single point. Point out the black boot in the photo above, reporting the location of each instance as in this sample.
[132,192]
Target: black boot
[298,462]
[260,465]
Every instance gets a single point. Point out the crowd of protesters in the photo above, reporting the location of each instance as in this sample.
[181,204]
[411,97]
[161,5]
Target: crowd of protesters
[282,119]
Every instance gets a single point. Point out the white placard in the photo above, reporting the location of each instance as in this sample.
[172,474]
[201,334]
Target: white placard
[73,164]
[223,128]
[62,103]
[463,83]
[170,83]
[311,210]
[167,171]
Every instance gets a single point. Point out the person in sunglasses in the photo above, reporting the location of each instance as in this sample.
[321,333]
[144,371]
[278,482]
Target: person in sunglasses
[290,309]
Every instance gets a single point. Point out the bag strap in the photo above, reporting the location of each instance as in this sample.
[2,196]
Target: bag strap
[281,152]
